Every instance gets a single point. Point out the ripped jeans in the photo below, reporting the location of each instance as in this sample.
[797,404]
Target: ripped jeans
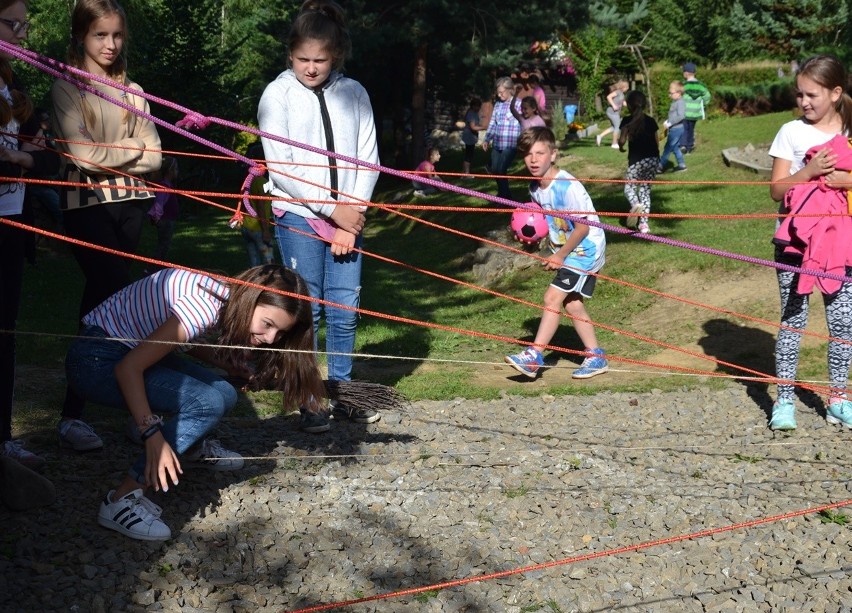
[331,278]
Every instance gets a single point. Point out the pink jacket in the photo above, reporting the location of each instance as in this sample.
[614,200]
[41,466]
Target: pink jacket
[824,240]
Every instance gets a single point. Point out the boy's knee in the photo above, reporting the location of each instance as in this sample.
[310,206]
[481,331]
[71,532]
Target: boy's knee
[574,305]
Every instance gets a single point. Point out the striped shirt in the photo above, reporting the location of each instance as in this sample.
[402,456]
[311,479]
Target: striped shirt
[134,312]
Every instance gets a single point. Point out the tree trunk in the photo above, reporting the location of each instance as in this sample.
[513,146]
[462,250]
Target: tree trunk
[418,106]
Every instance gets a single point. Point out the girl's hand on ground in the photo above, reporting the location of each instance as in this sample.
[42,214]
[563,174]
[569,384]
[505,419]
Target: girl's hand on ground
[349,218]
[161,463]
[343,242]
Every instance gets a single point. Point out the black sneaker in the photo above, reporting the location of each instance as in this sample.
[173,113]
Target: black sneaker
[359,416]
[315,423]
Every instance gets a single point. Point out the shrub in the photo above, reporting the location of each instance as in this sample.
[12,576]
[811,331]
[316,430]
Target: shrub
[747,89]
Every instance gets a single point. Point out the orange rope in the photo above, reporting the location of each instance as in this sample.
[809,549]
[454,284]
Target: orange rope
[581,558]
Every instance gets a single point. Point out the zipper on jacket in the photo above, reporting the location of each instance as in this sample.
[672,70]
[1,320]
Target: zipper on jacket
[329,141]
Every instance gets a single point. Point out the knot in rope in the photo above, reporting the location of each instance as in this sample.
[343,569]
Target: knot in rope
[193,121]
[254,171]
[237,220]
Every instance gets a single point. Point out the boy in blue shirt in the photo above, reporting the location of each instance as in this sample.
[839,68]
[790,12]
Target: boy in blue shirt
[577,252]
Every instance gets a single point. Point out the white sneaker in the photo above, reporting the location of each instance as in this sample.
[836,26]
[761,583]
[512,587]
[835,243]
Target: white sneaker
[211,454]
[15,449]
[419,193]
[598,139]
[78,435]
[135,516]
[615,146]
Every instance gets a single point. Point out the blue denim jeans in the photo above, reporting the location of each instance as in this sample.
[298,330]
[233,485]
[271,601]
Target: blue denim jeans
[501,159]
[688,138]
[333,278]
[673,146]
[193,398]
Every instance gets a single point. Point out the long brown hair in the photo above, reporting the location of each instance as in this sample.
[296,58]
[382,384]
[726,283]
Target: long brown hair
[829,72]
[325,21]
[294,370]
[22,106]
[635,102]
[85,13]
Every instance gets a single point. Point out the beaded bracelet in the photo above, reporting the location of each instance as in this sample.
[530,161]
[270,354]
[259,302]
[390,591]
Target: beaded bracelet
[148,421]
[151,431]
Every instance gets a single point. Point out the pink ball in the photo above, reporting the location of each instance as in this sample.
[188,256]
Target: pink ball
[529,226]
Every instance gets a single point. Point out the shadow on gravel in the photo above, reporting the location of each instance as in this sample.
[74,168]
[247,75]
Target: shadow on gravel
[96,569]
[751,348]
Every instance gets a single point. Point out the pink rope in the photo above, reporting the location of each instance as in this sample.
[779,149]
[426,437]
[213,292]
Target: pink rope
[194,119]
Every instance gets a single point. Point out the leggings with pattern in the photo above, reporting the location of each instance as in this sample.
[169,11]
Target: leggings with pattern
[638,193]
[794,313]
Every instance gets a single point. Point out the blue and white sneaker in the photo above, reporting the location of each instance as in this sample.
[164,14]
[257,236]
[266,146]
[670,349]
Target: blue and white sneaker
[527,362]
[839,412]
[784,415]
[593,365]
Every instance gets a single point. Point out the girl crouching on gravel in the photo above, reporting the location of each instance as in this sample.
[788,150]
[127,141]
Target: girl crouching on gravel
[111,366]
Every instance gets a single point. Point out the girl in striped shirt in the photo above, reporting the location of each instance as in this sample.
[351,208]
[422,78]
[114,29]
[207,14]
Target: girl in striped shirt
[127,358]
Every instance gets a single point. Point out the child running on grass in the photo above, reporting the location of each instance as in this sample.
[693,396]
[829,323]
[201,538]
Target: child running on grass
[639,132]
[577,252]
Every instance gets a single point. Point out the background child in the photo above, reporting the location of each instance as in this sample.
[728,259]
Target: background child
[470,133]
[614,101]
[175,307]
[529,116]
[577,251]
[639,132]
[697,97]
[426,169]
[164,212]
[674,125]
[826,111]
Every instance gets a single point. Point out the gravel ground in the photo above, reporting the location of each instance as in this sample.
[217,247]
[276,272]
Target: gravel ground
[451,490]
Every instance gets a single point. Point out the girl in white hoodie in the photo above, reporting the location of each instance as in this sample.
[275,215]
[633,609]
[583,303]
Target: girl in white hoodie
[320,201]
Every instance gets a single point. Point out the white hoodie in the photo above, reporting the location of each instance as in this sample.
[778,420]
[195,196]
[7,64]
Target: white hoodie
[301,178]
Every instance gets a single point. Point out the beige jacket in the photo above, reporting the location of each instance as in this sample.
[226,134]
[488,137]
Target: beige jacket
[134,145]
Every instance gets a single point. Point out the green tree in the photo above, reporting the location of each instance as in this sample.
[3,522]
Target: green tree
[49,36]
[446,47]
[782,30]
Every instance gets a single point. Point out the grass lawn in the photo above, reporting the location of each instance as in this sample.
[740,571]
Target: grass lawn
[431,363]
